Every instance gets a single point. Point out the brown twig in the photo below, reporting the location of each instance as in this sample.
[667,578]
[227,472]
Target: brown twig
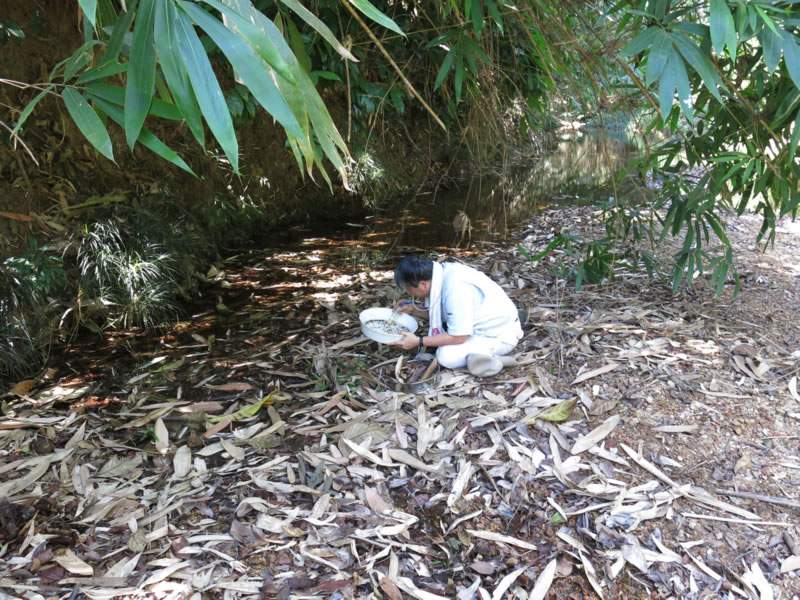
[760,498]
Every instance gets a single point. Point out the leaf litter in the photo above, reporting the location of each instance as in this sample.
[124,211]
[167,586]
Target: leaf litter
[645,445]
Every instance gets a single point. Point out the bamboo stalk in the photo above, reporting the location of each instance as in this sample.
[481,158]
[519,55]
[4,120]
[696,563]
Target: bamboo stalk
[391,61]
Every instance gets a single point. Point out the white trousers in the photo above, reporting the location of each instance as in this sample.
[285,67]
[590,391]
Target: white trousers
[454,356]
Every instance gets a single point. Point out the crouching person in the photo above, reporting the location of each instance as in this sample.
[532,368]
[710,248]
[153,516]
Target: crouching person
[471,320]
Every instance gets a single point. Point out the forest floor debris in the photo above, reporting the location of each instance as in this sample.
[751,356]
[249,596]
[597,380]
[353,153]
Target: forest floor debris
[647,445]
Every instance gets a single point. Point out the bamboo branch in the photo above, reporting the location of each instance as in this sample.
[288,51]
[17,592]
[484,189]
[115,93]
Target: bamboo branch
[394,64]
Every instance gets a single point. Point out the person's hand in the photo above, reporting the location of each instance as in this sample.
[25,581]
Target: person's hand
[404,306]
[408,341]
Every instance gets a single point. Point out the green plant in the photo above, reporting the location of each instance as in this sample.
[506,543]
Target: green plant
[165,51]
[126,279]
[43,270]
[9,28]
[595,261]
[25,284]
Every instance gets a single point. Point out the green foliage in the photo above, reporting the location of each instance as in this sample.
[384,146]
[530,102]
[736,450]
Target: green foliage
[166,52]
[734,126]
[627,244]
[26,283]
[126,279]
[8,29]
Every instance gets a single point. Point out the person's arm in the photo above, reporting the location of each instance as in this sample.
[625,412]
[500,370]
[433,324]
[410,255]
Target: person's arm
[410,307]
[412,340]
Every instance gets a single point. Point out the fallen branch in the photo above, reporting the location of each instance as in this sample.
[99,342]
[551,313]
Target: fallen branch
[759,497]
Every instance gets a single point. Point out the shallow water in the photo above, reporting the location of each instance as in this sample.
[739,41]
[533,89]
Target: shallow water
[582,168]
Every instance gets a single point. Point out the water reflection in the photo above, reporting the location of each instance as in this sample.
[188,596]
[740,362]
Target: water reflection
[583,167]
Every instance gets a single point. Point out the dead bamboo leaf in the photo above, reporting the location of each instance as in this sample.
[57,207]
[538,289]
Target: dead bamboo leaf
[182,461]
[217,427]
[407,459]
[591,575]
[364,453]
[676,428]
[235,386]
[503,539]
[243,413]
[556,414]
[792,563]
[375,500]
[590,439]
[390,588]
[544,581]
[506,583]
[754,576]
[460,483]
[408,586]
[162,436]
[595,372]
[70,561]
[793,388]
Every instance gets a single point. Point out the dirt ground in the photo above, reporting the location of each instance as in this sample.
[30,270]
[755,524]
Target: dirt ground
[647,445]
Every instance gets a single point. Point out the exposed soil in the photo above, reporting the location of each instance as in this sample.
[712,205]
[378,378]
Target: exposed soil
[260,449]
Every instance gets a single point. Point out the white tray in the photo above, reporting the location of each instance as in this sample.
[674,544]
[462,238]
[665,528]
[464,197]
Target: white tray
[383,314]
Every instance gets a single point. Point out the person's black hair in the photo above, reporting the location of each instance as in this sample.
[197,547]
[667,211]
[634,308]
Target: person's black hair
[412,269]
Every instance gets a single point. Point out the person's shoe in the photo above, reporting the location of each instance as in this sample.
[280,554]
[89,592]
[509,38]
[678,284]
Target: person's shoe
[485,365]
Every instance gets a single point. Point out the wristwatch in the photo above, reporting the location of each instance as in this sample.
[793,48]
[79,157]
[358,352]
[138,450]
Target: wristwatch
[420,342]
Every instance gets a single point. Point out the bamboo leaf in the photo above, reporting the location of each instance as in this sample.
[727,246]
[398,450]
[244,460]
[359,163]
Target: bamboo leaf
[89,8]
[88,122]
[146,137]
[260,32]
[298,45]
[300,93]
[79,59]
[373,13]
[722,27]
[666,87]
[109,69]
[141,73]
[116,95]
[249,68]
[459,78]
[684,89]
[206,87]
[795,139]
[26,112]
[477,18]
[320,27]
[173,69]
[121,27]
[641,42]
[444,70]
[700,63]
[791,55]
[660,51]
[490,4]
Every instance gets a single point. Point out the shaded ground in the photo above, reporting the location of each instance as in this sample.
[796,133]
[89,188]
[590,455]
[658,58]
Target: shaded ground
[261,450]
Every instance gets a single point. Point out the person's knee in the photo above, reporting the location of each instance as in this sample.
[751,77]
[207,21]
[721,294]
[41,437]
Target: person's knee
[450,357]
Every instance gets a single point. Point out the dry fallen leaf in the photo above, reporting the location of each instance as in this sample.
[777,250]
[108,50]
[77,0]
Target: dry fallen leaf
[390,589]
[544,581]
[590,439]
[594,373]
[70,561]
[792,563]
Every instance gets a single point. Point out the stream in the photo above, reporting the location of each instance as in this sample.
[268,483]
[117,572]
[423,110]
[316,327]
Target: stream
[581,168]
